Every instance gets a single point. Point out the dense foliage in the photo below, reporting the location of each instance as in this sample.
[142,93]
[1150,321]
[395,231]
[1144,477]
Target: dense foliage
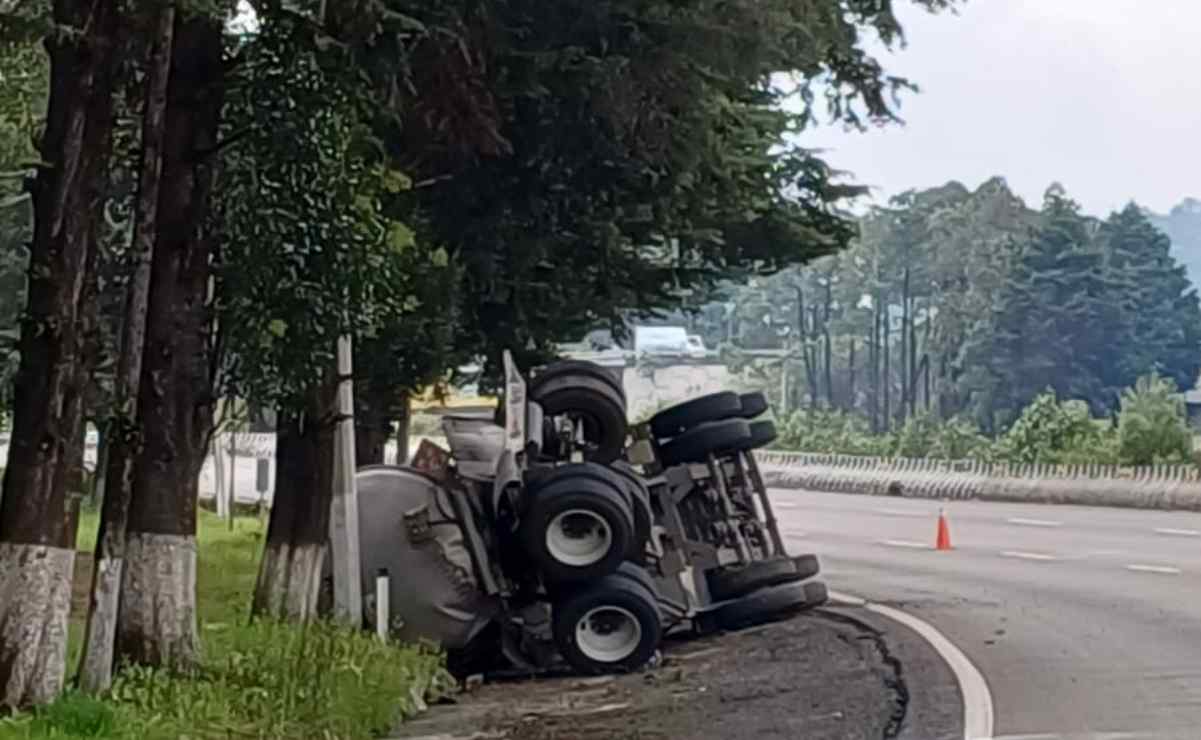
[1150,428]
[22,100]
[586,158]
[961,303]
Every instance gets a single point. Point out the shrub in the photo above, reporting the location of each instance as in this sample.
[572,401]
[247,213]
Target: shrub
[279,680]
[261,679]
[1151,424]
[915,438]
[1049,430]
[959,439]
[834,432]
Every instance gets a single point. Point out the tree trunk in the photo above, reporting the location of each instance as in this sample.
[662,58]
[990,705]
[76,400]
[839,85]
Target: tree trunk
[924,370]
[403,425]
[371,440]
[851,377]
[914,370]
[96,669]
[886,416]
[874,355]
[96,492]
[806,348]
[906,388]
[941,387]
[37,541]
[290,572]
[829,349]
[157,622]
[372,423]
[926,358]
[815,384]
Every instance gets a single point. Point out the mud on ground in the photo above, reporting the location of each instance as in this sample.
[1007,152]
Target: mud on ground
[818,676]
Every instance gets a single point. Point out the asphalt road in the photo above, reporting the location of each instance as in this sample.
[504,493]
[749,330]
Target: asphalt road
[1086,622]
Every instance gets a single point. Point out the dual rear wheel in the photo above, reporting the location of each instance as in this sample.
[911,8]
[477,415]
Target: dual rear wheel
[610,625]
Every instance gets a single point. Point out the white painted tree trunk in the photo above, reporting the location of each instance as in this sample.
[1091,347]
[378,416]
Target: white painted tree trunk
[96,670]
[290,581]
[96,667]
[35,598]
[158,600]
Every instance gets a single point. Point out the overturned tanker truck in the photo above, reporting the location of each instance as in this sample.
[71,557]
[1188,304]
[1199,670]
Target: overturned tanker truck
[563,535]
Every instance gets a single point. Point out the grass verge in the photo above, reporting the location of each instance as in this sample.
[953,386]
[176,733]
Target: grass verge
[257,680]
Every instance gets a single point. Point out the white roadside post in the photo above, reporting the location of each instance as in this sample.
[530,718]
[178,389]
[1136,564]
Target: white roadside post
[344,517]
[383,615]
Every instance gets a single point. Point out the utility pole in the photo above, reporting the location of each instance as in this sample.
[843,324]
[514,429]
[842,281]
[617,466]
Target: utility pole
[344,516]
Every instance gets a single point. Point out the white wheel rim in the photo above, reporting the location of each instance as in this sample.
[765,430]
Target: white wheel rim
[578,537]
[608,634]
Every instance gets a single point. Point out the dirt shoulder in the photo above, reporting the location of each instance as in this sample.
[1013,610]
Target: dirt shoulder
[819,676]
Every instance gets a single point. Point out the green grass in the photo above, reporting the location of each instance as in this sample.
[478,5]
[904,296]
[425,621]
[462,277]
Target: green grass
[258,680]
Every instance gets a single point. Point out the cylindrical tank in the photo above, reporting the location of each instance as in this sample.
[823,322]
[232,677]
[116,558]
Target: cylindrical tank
[403,527]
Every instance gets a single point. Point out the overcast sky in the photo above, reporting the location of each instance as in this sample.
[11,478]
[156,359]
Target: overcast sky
[1103,96]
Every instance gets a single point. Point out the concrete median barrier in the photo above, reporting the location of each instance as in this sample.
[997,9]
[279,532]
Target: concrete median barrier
[1144,487]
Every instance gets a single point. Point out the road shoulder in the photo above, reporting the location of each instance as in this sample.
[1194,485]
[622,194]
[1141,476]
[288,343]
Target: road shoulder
[834,673]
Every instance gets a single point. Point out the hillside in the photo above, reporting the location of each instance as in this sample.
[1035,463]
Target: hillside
[1183,225]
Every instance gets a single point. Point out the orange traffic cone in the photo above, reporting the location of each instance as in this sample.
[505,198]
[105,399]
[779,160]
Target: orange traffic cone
[944,532]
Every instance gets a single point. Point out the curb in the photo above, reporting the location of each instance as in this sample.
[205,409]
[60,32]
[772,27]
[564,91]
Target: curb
[978,713]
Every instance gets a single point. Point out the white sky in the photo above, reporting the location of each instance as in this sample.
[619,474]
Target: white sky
[1103,96]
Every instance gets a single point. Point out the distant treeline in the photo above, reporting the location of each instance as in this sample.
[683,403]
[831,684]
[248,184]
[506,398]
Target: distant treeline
[969,304]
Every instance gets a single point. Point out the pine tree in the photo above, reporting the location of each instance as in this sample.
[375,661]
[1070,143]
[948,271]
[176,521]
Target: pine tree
[1161,316]
[1049,323]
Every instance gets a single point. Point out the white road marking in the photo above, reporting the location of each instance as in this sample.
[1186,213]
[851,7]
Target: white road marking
[901,512]
[1027,555]
[1178,532]
[785,505]
[1078,736]
[1167,569]
[977,700]
[906,543]
[1034,522]
[846,599]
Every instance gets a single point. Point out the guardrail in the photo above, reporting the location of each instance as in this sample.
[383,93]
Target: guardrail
[1147,486]
[1176,472]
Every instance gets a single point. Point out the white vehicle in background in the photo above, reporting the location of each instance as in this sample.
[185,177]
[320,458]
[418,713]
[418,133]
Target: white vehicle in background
[668,340]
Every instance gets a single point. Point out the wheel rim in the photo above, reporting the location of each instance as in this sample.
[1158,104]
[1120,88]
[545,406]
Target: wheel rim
[578,537]
[608,634]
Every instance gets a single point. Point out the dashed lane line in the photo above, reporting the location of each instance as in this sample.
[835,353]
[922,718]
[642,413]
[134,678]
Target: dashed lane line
[1165,569]
[912,544]
[1021,555]
[1034,522]
[1178,532]
[902,512]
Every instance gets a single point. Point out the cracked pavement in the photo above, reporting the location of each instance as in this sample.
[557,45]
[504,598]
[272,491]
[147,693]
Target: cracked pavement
[832,673]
